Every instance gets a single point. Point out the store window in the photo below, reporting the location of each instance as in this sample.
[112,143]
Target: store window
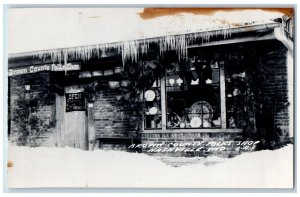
[153,113]
[152,97]
[198,94]
[193,94]
[240,105]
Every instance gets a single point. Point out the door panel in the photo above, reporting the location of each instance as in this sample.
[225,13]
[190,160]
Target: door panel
[71,126]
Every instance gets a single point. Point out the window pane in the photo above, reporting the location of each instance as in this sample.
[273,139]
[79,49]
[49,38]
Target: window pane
[239,94]
[152,97]
[193,95]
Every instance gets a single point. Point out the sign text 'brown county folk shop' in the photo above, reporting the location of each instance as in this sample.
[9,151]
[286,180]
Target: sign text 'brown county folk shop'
[43,68]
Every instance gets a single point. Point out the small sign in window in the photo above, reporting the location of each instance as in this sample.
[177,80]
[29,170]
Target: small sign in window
[75,102]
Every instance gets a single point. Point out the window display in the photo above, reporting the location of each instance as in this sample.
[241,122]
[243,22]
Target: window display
[153,106]
[193,94]
[199,93]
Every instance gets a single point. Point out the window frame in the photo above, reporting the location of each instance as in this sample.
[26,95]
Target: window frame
[163,95]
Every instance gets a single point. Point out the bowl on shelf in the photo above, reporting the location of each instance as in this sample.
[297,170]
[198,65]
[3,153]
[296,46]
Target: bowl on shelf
[125,83]
[217,122]
[114,84]
[98,73]
[108,72]
[118,70]
[206,124]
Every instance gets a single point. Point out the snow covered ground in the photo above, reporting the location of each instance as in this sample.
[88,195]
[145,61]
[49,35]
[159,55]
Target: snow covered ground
[67,167]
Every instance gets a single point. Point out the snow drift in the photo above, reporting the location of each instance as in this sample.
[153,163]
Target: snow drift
[67,167]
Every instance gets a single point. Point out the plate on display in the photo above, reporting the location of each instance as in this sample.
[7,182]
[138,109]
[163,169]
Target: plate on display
[149,95]
[199,109]
[196,122]
[153,110]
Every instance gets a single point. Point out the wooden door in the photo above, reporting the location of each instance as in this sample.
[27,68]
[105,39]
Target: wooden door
[71,126]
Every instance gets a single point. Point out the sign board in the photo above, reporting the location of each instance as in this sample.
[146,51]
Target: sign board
[45,67]
[75,102]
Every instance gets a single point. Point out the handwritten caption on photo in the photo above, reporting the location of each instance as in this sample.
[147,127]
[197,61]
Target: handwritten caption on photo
[209,146]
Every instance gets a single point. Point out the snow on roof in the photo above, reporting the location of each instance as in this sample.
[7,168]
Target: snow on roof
[33,29]
[59,31]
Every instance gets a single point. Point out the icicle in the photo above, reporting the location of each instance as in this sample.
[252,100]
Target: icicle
[65,53]
[130,50]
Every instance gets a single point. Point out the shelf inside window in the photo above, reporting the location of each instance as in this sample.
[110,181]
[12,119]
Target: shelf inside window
[194,85]
[152,114]
[156,87]
[153,121]
[192,128]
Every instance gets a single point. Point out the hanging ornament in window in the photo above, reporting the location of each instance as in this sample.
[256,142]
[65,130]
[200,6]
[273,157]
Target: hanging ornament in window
[171,81]
[195,82]
[208,81]
[179,81]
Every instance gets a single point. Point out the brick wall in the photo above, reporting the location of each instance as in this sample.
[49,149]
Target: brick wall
[186,136]
[272,93]
[33,110]
[114,117]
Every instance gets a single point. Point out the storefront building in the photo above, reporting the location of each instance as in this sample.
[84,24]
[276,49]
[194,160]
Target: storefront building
[221,84]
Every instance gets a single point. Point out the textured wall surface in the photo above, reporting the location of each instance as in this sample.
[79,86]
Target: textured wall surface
[272,91]
[33,110]
[113,118]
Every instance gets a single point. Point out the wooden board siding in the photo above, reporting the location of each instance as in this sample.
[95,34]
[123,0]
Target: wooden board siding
[71,127]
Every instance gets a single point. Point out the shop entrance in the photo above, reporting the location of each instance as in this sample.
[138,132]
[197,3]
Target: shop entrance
[71,119]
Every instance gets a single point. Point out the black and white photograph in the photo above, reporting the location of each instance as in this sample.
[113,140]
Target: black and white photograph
[150,97]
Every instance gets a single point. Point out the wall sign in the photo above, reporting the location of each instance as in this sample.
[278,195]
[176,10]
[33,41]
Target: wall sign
[45,67]
[75,102]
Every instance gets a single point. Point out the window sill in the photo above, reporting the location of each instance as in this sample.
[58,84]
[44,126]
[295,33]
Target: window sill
[194,131]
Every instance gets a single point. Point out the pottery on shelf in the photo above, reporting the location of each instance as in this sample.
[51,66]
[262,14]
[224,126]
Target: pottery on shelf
[97,73]
[108,72]
[217,122]
[114,84]
[118,69]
